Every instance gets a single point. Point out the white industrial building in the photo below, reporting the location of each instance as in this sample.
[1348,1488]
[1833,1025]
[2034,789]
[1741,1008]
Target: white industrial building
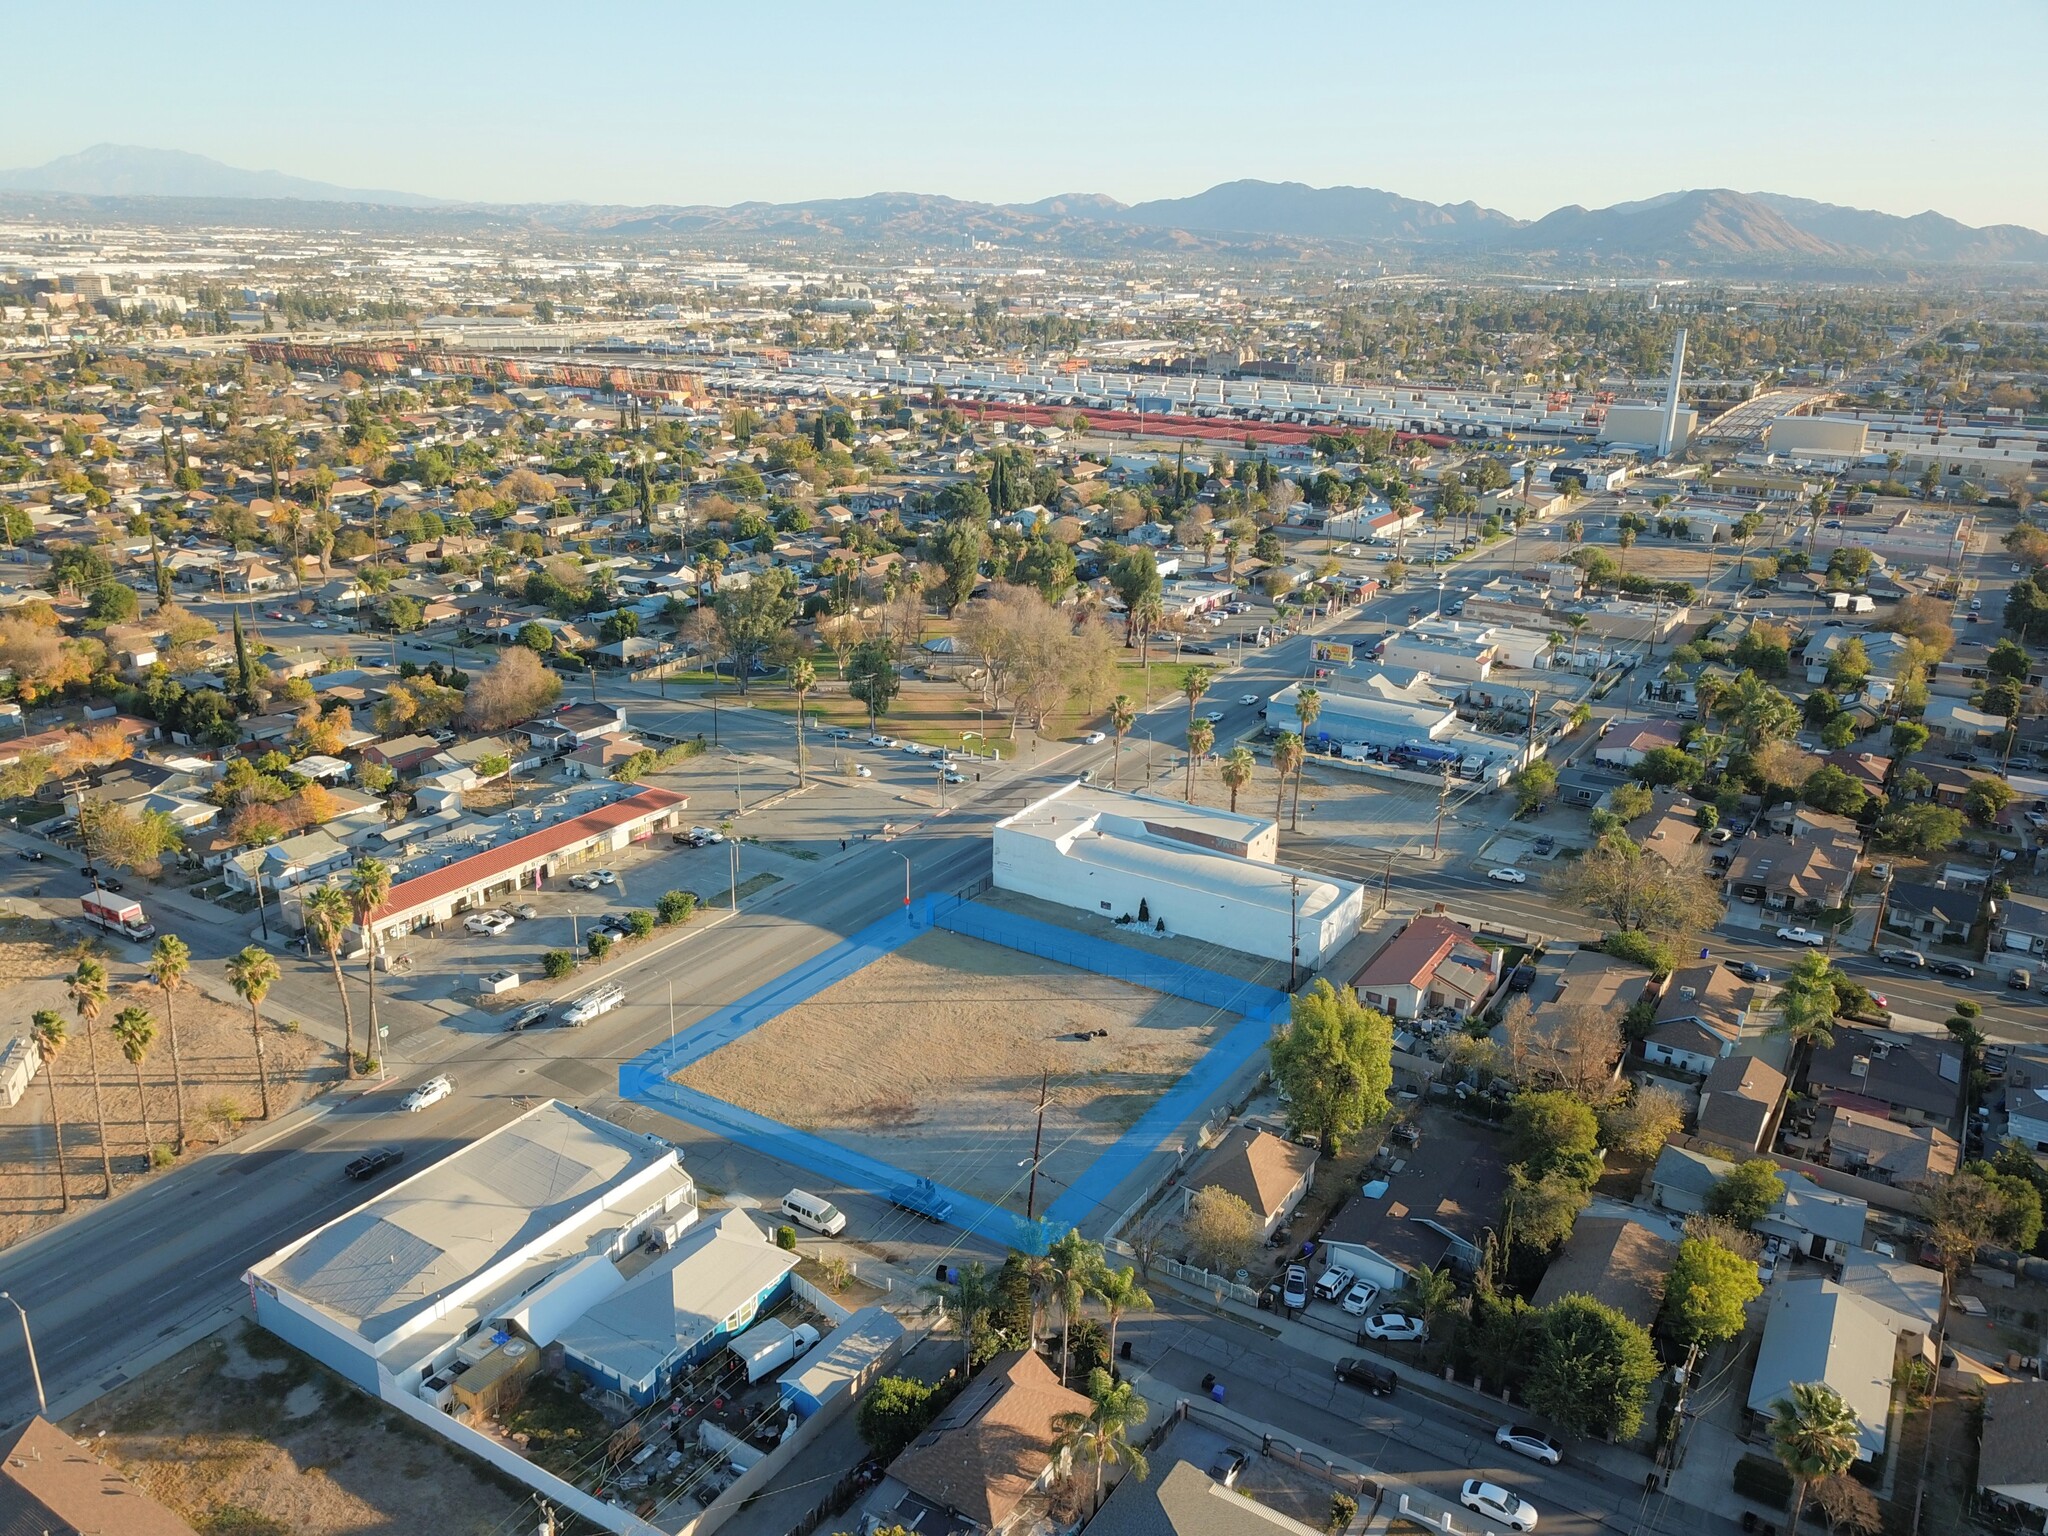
[1640,424]
[1208,874]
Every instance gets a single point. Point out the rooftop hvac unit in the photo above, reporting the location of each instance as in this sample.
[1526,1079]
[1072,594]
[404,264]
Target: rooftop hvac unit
[1859,1066]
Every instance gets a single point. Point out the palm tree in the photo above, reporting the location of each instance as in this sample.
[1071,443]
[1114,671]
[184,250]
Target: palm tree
[168,963]
[803,677]
[1194,683]
[1236,772]
[327,913]
[1287,758]
[369,887]
[1625,540]
[135,1029]
[1432,1292]
[1103,1433]
[47,1030]
[1123,714]
[1308,707]
[971,1293]
[1576,622]
[1119,1291]
[1201,737]
[1815,1435]
[88,987]
[1075,1263]
[251,973]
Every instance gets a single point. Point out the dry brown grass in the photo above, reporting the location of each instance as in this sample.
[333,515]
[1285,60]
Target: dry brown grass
[931,1059]
[239,1434]
[221,1097]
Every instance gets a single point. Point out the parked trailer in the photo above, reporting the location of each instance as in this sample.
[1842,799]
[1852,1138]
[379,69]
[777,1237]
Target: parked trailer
[124,919]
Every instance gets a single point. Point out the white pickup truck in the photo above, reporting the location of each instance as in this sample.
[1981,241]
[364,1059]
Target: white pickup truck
[587,1007]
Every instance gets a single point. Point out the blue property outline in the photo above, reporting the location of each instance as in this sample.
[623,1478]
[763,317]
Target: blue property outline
[646,1079]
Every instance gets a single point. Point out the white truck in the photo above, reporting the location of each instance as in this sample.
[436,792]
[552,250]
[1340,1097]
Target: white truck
[117,916]
[587,1007]
[769,1345]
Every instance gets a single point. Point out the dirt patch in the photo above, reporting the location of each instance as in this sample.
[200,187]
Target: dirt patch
[219,1069]
[289,1447]
[932,1059]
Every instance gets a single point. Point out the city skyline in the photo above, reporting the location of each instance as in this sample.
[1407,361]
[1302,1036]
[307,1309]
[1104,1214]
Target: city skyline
[1522,118]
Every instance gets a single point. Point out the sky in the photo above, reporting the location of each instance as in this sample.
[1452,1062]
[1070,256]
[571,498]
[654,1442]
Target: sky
[1888,104]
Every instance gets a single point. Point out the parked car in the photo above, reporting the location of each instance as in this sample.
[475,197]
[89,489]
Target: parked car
[1749,971]
[1396,1326]
[1359,1299]
[373,1162]
[34,855]
[2019,979]
[1802,936]
[1905,959]
[700,836]
[1333,1283]
[863,771]
[1294,1292]
[1494,1502]
[1377,1379]
[1508,876]
[604,877]
[1226,1464]
[1532,1443]
[1094,739]
[526,911]
[431,1092]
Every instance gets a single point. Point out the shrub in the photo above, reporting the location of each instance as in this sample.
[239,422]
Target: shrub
[676,906]
[1088,1347]
[1643,950]
[1343,1510]
[599,944]
[557,963]
[1763,1480]
[642,923]
[161,1156]
[785,1238]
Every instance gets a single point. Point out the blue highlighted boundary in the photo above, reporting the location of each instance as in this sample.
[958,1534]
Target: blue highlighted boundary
[646,1078]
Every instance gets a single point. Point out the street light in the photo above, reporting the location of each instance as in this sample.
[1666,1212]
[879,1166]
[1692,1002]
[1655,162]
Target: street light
[35,1372]
[906,876]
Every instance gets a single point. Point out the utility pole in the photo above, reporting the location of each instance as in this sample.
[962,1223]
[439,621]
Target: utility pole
[1293,930]
[1387,882]
[1037,1141]
[34,1371]
[1884,897]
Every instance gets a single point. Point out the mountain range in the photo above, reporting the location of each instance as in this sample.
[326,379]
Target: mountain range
[1712,228]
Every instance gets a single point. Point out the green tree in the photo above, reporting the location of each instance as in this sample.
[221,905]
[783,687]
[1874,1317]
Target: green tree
[872,678]
[803,677]
[1591,1368]
[1829,789]
[1221,1229]
[894,1412]
[753,618]
[1551,1131]
[88,988]
[134,1030]
[676,906]
[1745,1193]
[1533,785]
[403,614]
[1119,1291]
[1123,714]
[1706,1292]
[1103,1433]
[252,973]
[327,915]
[1815,1434]
[1334,1063]
[1074,1262]
[1134,577]
[1236,771]
[1431,1293]
[959,547]
[1919,828]
[537,637]
[1908,737]
[169,962]
[369,887]
[1985,801]
[47,1030]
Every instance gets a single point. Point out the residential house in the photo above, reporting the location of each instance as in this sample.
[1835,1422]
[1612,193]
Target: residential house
[282,866]
[600,757]
[1910,1078]
[1187,1501]
[1433,963]
[1868,769]
[1818,1223]
[402,754]
[1740,1103]
[972,1472]
[1931,913]
[1617,1262]
[1817,1330]
[1630,742]
[1587,787]
[1886,1150]
[1906,1294]
[1436,1210]
[2026,1096]
[51,1484]
[2012,1450]
[1670,831]
[1567,983]
[2020,925]
[564,731]
[1682,1178]
[1952,720]
[1269,1173]
[1794,876]
[1700,1017]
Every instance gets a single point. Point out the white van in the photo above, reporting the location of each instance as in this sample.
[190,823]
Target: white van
[819,1215]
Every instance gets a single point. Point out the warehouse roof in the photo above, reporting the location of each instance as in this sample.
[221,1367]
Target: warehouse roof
[419,1243]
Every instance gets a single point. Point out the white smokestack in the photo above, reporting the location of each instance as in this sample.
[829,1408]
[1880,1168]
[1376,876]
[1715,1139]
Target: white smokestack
[1668,438]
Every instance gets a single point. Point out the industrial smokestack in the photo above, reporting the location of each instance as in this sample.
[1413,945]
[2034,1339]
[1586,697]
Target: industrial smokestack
[1668,438]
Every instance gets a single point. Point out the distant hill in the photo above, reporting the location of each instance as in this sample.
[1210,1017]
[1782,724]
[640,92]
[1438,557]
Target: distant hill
[127,170]
[1702,229]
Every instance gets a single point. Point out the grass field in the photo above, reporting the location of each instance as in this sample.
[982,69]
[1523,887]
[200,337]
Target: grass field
[931,1059]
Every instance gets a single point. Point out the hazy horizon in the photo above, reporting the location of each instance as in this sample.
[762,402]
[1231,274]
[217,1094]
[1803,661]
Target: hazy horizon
[1480,101]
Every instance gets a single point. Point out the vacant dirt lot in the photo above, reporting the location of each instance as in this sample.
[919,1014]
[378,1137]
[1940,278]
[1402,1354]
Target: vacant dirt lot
[241,1434]
[214,1045]
[931,1059]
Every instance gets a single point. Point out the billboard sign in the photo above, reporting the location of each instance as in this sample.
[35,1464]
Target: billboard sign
[1335,653]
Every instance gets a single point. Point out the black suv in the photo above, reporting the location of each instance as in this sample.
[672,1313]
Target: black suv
[527,1017]
[1954,968]
[1372,1376]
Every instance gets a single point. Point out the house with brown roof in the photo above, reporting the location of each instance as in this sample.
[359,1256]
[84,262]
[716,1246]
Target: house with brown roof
[1617,1262]
[2012,1449]
[972,1472]
[1433,963]
[1629,743]
[1435,1209]
[1866,768]
[50,1485]
[1701,1015]
[1269,1173]
[1740,1103]
[1886,1150]
[1796,875]
[1671,832]
[1913,1079]
[1569,982]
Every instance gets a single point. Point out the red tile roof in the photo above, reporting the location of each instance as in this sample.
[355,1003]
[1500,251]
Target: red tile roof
[481,868]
